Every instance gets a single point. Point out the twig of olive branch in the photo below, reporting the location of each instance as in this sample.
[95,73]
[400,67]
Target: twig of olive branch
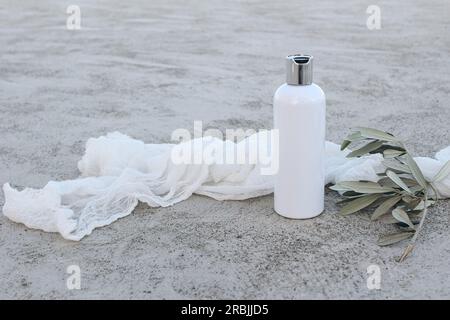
[410,247]
[363,194]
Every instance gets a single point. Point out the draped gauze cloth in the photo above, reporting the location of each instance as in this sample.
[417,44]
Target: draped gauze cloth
[117,172]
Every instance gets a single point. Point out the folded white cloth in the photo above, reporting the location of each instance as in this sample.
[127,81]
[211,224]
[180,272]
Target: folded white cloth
[117,172]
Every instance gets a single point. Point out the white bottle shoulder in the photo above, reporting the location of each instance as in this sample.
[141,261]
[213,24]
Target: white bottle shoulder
[310,93]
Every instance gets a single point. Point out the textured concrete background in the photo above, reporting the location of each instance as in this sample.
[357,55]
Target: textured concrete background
[146,68]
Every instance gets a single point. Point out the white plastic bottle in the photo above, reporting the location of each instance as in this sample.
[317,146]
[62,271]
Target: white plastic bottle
[299,115]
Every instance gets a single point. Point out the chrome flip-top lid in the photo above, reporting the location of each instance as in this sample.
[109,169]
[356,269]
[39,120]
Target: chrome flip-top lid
[299,69]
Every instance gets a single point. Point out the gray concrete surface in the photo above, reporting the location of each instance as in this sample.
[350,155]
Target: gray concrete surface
[146,68]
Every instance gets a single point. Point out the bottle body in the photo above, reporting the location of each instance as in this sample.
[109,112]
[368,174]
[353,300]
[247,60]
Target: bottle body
[299,117]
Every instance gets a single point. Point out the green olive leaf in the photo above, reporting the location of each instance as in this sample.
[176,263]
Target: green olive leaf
[339,188]
[389,239]
[413,203]
[387,219]
[351,194]
[384,207]
[345,144]
[387,146]
[354,136]
[358,204]
[366,149]
[386,182]
[397,180]
[391,153]
[415,171]
[400,215]
[396,165]
[371,133]
[416,188]
[409,182]
[421,204]
[363,187]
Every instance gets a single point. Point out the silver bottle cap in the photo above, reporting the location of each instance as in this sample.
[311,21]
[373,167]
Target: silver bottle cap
[299,69]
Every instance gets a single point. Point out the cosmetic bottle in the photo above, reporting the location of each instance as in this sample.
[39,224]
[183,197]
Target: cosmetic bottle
[299,116]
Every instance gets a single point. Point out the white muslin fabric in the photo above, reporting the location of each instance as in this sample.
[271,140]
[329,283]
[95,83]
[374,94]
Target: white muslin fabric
[117,172]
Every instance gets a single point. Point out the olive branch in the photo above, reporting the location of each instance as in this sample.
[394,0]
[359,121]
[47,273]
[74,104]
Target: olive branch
[401,196]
